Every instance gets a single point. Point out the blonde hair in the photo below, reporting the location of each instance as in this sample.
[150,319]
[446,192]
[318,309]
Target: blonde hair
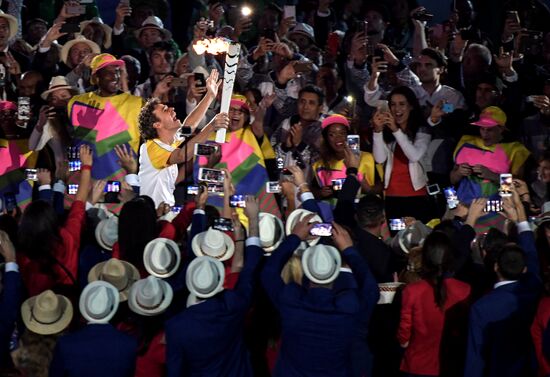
[292,271]
[34,354]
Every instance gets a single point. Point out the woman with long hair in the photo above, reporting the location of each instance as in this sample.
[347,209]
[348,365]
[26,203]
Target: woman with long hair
[48,252]
[400,141]
[335,153]
[431,307]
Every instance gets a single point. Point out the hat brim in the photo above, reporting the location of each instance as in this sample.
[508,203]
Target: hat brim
[46,93]
[131,271]
[64,54]
[51,328]
[276,243]
[147,257]
[311,38]
[98,231]
[159,309]
[486,124]
[229,247]
[166,34]
[84,294]
[305,266]
[298,214]
[12,21]
[190,285]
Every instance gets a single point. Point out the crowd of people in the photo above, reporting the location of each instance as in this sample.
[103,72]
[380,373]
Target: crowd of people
[379,206]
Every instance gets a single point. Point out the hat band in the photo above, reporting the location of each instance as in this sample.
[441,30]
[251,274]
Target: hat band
[150,307]
[43,322]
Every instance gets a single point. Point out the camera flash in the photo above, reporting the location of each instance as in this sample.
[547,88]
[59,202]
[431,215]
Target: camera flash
[246,11]
[349,99]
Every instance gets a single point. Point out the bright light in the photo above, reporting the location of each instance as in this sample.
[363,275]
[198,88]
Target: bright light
[246,11]
[349,99]
[212,46]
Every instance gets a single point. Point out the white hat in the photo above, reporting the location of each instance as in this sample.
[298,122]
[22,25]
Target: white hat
[64,54]
[12,21]
[161,257]
[47,313]
[544,214]
[321,263]
[120,274]
[153,22]
[387,292]
[99,302]
[106,28]
[150,296]
[205,276]
[272,231]
[297,215]
[413,235]
[213,243]
[304,29]
[58,83]
[106,232]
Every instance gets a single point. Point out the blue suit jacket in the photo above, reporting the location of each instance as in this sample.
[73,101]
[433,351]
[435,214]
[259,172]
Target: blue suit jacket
[10,302]
[97,350]
[207,339]
[318,324]
[499,340]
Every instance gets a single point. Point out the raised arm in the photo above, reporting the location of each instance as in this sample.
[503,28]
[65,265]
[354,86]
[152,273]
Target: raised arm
[212,84]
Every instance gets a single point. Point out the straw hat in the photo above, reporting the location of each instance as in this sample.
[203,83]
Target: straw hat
[64,54]
[387,292]
[99,302]
[161,257]
[47,313]
[213,243]
[12,21]
[120,274]
[150,296]
[58,83]
[272,231]
[106,28]
[297,215]
[321,263]
[205,276]
[153,22]
[106,232]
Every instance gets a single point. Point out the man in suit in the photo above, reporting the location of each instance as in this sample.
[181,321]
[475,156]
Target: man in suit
[206,338]
[498,339]
[10,297]
[97,349]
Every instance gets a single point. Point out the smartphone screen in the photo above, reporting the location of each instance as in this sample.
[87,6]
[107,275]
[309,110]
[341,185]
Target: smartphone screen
[223,224]
[237,201]
[200,81]
[31,174]
[72,189]
[353,143]
[74,165]
[397,224]
[321,230]
[452,198]
[23,108]
[176,209]
[112,186]
[289,11]
[273,187]
[493,206]
[505,185]
[205,149]
[211,175]
[448,108]
[193,190]
[433,189]
[337,184]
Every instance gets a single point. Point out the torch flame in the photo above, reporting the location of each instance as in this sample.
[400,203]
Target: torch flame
[212,46]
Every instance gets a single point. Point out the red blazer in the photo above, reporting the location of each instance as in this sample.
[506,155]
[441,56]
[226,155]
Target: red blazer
[153,362]
[537,329]
[422,322]
[66,252]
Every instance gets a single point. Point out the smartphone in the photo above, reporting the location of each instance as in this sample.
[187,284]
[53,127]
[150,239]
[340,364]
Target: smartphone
[303,67]
[10,202]
[433,189]
[353,143]
[215,189]
[112,186]
[361,27]
[289,11]
[193,190]
[493,206]
[72,189]
[452,198]
[269,34]
[69,28]
[530,99]
[223,224]
[30,175]
[23,109]
[176,209]
[211,175]
[506,182]
[205,149]
[74,165]
[448,108]
[513,15]
[337,184]
[397,224]
[178,82]
[321,230]
[200,81]
[86,1]
[237,201]
[75,10]
[273,187]
[383,106]
[73,153]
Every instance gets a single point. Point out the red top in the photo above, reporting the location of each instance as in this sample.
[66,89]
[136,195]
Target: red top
[537,329]
[400,179]
[422,324]
[66,252]
[153,362]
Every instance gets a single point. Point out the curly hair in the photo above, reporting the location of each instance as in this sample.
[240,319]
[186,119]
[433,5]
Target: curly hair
[147,118]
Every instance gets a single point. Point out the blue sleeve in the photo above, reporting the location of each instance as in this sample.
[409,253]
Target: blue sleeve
[45,195]
[135,189]
[57,368]
[174,354]
[312,206]
[10,302]
[345,206]
[59,202]
[198,224]
[245,284]
[475,364]
[365,279]
[271,274]
[527,242]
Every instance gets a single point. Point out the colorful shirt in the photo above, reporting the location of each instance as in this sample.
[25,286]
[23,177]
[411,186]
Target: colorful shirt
[499,158]
[15,157]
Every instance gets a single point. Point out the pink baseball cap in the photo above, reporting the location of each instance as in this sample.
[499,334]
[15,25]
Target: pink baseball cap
[491,116]
[335,119]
